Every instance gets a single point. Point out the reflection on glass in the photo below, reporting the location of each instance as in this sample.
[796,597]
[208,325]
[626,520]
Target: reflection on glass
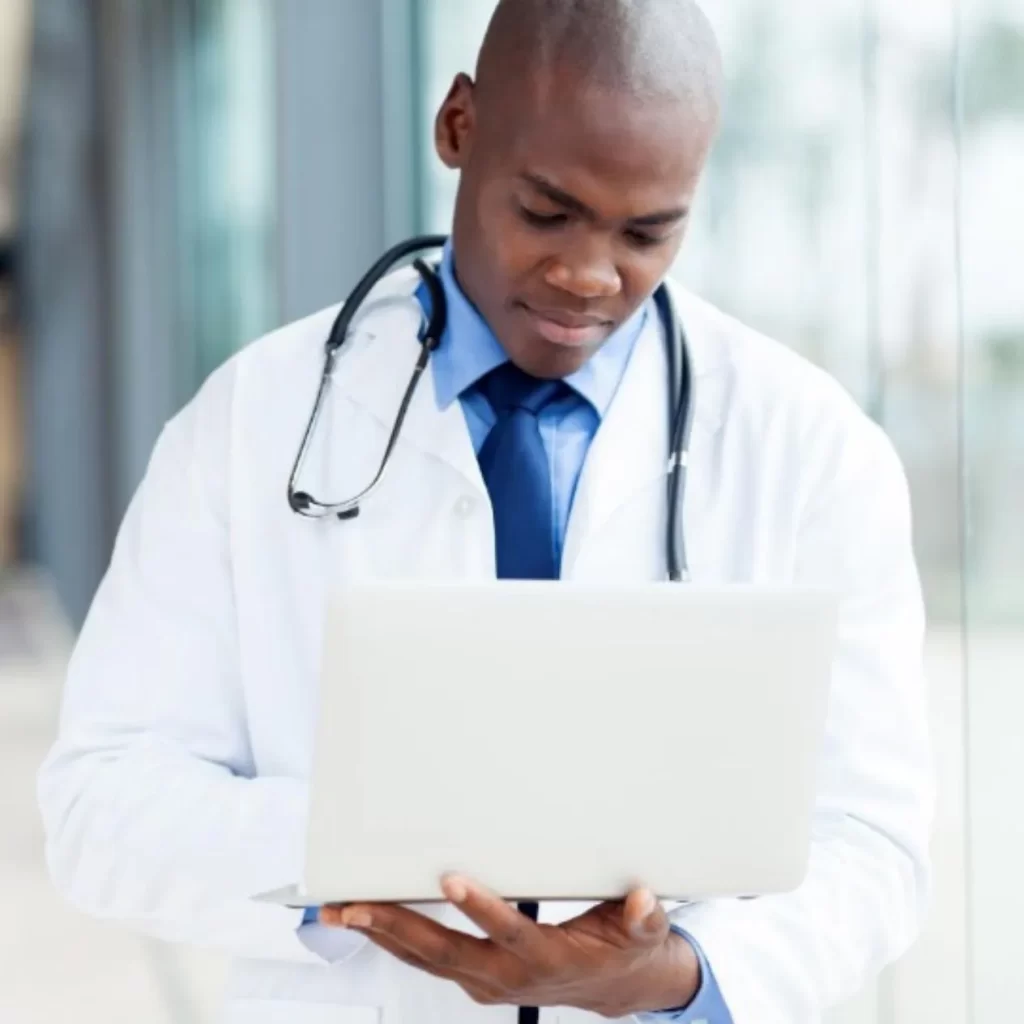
[992,138]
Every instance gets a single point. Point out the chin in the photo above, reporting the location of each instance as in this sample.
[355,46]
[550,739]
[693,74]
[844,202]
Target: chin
[549,355]
[540,358]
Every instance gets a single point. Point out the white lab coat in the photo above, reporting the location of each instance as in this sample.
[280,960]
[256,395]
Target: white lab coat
[177,786]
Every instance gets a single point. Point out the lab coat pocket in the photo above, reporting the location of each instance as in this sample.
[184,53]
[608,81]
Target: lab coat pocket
[291,1011]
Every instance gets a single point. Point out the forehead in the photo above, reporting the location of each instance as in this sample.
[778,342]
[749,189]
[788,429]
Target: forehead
[621,153]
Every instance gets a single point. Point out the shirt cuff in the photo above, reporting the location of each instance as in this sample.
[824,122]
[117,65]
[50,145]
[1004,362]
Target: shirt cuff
[708,1006]
[332,945]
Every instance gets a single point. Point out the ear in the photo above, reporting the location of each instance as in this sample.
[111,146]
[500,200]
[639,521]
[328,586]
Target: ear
[456,123]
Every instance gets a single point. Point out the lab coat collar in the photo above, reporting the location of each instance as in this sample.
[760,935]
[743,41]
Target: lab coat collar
[376,362]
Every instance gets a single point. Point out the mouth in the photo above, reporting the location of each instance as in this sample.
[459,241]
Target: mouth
[571,330]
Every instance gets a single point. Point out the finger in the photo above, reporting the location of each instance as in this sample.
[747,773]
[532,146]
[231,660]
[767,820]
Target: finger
[441,948]
[399,952]
[643,918]
[480,990]
[504,924]
[330,915]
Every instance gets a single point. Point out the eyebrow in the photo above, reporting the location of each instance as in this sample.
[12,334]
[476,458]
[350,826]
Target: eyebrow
[570,202]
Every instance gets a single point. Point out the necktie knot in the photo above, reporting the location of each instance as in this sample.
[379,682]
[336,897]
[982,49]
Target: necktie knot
[508,388]
[515,468]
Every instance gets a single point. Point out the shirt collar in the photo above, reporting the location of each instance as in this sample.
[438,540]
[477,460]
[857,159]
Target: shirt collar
[469,350]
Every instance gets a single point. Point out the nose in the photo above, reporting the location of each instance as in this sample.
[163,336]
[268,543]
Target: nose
[586,271]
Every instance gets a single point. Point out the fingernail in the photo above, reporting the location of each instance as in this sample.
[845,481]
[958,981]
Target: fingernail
[647,903]
[356,919]
[456,890]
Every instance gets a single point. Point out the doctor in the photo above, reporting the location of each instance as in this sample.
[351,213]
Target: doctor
[536,445]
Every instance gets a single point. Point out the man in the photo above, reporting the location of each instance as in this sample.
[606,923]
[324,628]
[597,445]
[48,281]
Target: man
[176,789]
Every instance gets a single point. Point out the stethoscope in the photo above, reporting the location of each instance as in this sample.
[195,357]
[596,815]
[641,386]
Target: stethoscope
[680,380]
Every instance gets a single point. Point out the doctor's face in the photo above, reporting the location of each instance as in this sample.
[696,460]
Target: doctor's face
[572,205]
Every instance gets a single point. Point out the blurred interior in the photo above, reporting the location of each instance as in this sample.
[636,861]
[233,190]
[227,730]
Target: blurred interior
[179,176]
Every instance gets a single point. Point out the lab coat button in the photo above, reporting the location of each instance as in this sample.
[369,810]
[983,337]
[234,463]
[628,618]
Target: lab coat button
[464,507]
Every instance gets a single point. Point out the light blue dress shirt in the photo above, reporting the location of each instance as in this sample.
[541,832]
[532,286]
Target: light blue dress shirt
[467,352]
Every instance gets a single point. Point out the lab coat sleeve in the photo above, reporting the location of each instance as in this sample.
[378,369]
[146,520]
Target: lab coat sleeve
[787,958]
[152,812]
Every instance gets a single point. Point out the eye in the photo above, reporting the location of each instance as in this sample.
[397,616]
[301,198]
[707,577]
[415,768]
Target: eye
[642,240]
[542,220]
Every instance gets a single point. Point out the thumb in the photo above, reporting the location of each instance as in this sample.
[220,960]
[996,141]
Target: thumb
[644,919]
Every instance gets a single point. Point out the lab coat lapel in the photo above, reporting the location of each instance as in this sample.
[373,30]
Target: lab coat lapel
[628,459]
[375,369]
[629,450]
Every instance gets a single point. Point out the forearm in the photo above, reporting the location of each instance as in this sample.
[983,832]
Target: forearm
[173,846]
[672,978]
[789,957]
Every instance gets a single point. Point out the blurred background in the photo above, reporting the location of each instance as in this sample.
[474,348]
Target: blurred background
[179,176]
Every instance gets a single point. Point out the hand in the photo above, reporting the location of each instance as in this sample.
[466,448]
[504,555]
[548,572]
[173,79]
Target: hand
[615,960]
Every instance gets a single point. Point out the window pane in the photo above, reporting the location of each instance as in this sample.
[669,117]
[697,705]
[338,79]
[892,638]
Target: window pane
[452,31]
[224,103]
[993,365]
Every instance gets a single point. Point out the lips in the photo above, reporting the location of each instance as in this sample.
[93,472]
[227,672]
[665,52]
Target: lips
[569,329]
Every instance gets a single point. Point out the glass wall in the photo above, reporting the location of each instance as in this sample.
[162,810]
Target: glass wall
[223,82]
[189,152]
[863,205]
[991,60]
[196,171]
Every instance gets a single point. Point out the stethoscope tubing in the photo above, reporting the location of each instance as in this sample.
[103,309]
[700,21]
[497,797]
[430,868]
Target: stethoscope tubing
[681,398]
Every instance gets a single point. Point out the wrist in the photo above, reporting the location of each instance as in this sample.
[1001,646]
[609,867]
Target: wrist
[672,979]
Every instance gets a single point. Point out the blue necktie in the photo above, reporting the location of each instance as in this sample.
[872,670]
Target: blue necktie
[517,472]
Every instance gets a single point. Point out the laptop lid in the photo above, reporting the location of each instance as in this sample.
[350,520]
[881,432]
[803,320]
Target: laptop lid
[567,741]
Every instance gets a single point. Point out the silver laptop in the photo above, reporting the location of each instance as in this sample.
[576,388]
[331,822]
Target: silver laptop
[566,741]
